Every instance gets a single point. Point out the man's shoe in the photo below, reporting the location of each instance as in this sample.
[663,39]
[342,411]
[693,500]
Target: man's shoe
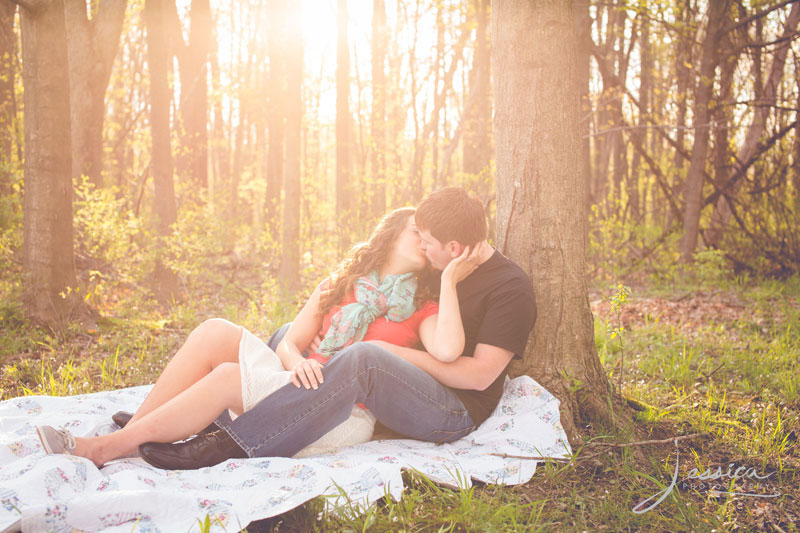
[207,449]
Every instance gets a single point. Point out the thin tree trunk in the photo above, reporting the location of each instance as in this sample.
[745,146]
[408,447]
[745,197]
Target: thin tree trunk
[439,100]
[48,259]
[379,38]
[722,210]
[165,281]
[192,160]
[343,134]
[477,145]
[276,43]
[620,152]
[437,77]
[91,47]
[540,198]
[702,115]
[290,258]
[8,51]
[723,114]
[645,81]
[683,58]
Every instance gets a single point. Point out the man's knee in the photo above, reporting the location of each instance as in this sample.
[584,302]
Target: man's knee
[363,355]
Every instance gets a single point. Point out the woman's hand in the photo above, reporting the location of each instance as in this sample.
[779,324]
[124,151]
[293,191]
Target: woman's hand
[463,265]
[307,372]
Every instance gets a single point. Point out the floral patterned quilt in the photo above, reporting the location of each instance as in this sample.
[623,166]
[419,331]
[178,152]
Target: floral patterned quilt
[40,492]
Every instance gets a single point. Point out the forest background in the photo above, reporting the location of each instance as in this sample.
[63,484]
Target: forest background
[165,162]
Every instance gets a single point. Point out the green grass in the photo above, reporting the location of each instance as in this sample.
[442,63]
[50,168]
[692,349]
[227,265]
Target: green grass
[728,370]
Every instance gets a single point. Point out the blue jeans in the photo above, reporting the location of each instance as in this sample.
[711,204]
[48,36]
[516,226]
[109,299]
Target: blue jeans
[400,395]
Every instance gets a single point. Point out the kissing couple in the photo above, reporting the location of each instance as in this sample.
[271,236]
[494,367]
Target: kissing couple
[415,329]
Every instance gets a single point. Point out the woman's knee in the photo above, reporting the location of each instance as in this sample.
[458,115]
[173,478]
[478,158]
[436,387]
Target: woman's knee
[219,332]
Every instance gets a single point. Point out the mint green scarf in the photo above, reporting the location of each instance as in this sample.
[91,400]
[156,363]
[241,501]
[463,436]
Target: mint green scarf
[393,298]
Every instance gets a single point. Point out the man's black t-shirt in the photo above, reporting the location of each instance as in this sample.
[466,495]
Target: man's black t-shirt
[498,308]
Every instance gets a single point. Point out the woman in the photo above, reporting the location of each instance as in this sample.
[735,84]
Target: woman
[223,366]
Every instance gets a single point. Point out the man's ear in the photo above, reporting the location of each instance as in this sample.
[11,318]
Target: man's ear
[454,248]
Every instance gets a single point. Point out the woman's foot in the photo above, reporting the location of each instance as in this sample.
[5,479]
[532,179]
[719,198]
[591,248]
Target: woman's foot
[56,440]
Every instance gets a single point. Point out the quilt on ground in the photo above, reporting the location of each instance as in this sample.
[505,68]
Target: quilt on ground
[64,493]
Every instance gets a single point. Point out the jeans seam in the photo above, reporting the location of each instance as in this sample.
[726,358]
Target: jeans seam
[335,393]
[247,449]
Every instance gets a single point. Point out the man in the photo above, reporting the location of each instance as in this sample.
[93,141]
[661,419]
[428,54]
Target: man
[407,390]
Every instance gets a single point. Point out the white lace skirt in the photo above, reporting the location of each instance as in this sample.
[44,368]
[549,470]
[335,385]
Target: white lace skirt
[262,374]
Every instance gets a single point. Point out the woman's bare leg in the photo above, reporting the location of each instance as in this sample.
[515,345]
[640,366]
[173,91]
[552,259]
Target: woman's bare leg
[212,343]
[179,417]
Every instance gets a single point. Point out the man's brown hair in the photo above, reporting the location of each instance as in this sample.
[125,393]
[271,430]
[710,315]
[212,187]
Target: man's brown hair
[453,214]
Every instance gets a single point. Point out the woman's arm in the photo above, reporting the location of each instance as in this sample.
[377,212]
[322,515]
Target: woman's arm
[302,331]
[443,334]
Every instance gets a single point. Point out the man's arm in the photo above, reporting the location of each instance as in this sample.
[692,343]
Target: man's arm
[476,372]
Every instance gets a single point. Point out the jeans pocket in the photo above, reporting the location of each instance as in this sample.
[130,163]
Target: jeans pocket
[440,436]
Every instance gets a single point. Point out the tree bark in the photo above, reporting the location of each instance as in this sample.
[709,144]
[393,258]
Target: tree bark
[540,198]
[8,49]
[166,213]
[583,33]
[702,115]
[343,133]
[91,46]
[290,258]
[722,210]
[48,259]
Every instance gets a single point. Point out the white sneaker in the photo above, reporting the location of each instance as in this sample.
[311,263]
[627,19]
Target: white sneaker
[56,440]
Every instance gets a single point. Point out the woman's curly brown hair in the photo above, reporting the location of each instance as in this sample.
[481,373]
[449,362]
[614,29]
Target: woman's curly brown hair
[365,257]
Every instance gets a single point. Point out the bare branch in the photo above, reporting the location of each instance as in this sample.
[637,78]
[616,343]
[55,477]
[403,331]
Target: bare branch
[755,16]
[647,442]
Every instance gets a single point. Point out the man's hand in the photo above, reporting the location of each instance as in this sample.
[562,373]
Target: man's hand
[307,372]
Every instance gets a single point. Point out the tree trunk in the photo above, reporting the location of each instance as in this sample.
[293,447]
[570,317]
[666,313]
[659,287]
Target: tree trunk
[165,281]
[683,59]
[722,210]
[540,198]
[48,259]
[379,38]
[477,146]
[8,48]
[645,81]
[702,115]
[723,113]
[276,44]
[290,258]
[343,134]
[91,46]
[192,160]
